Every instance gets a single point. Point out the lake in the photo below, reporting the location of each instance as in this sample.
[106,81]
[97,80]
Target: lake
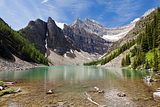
[70,83]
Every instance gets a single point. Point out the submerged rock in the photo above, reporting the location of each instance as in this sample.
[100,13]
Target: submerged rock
[156,95]
[1,88]
[148,79]
[121,94]
[50,91]
[97,90]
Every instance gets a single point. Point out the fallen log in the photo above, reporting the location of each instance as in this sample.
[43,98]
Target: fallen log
[18,90]
[89,98]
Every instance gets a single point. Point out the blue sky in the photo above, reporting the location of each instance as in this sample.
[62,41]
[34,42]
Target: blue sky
[110,13]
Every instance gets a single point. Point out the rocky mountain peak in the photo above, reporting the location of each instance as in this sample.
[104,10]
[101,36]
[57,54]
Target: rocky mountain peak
[92,22]
[78,23]
[35,32]
[51,22]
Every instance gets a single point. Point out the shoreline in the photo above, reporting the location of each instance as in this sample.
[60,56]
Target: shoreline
[18,65]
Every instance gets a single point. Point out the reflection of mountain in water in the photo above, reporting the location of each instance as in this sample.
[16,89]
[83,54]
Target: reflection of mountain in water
[70,73]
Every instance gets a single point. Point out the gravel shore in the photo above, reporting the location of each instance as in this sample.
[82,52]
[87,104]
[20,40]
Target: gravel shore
[16,66]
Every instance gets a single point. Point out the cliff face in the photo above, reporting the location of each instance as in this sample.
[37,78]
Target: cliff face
[35,32]
[56,40]
[86,41]
[49,35]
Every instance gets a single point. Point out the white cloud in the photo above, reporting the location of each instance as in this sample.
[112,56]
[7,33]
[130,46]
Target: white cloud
[44,1]
[72,7]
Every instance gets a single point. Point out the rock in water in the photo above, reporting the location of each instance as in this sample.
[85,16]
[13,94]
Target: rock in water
[1,88]
[96,88]
[49,92]
[156,95]
[148,79]
[121,94]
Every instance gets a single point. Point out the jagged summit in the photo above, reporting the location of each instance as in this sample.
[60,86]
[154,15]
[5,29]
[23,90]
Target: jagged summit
[109,34]
[94,22]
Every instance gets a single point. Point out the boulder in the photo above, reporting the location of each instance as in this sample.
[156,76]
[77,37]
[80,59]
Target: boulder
[1,88]
[50,91]
[121,94]
[148,79]
[156,95]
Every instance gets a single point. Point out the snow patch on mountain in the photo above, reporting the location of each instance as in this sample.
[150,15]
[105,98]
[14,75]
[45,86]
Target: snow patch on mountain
[109,34]
[60,25]
[115,37]
[148,12]
[135,20]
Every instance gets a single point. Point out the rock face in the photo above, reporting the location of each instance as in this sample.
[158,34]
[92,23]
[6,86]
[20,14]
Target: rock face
[35,32]
[84,40]
[55,39]
[109,34]
[87,35]
[47,35]
[75,37]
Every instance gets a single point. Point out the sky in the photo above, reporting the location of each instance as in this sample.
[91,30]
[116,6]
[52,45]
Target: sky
[110,13]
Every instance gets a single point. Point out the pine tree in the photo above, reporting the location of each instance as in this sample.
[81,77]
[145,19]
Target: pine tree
[155,63]
[123,62]
[149,32]
[128,61]
[144,43]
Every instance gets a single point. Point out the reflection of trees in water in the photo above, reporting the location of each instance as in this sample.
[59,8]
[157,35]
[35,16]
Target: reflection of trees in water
[71,73]
[29,75]
[133,74]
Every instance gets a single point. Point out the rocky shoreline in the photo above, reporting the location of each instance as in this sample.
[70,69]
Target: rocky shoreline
[18,65]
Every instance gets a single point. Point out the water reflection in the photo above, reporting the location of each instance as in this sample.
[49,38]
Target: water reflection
[71,73]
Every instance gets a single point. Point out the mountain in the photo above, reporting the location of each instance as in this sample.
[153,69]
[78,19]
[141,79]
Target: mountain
[62,40]
[79,42]
[46,35]
[109,34]
[133,33]
[13,47]
[81,36]
[139,48]
[85,40]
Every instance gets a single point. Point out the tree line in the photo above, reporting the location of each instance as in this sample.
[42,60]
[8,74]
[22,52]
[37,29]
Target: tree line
[146,53]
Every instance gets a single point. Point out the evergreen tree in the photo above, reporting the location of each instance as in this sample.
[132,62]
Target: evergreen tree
[128,61]
[155,63]
[144,43]
[123,62]
[149,32]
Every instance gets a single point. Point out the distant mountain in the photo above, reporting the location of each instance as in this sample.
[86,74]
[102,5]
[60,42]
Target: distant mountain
[109,34]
